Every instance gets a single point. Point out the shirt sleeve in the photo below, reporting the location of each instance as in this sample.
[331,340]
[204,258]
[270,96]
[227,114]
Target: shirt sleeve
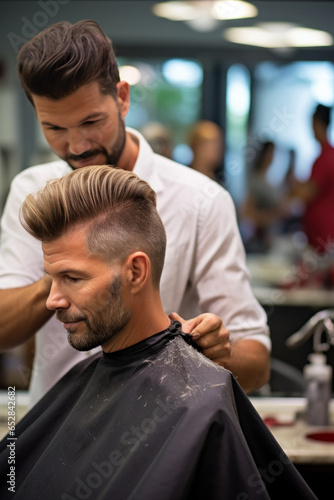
[220,274]
[21,257]
[20,254]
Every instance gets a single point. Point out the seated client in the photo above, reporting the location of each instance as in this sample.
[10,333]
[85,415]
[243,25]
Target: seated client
[148,417]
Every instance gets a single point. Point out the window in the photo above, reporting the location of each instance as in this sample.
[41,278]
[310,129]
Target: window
[237,114]
[168,92]
[284,99]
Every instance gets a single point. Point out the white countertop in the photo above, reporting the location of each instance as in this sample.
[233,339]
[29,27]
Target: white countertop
[291,435]
[268,272]
[313,297]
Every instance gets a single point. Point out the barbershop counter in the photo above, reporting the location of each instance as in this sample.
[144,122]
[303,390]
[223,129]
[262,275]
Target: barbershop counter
[285,419]
[268,272]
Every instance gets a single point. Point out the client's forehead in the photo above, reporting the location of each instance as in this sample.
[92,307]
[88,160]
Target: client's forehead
[69,251]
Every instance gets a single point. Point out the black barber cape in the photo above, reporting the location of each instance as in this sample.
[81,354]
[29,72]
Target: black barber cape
[155,421]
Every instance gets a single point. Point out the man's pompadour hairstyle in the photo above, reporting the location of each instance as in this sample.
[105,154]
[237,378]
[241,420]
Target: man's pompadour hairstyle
[118,206]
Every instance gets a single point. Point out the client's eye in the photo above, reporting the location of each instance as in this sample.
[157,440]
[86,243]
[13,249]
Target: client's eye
[73,280]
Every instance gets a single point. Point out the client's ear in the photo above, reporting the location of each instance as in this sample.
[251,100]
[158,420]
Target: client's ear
[137,269]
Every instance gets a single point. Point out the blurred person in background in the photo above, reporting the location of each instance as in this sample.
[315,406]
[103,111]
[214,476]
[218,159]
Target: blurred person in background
[159,138]
[206,140]
[263,208]
[318,192]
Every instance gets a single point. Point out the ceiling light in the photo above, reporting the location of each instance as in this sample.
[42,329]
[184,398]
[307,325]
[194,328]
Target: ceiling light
[203,23]
[176,11]
[130,74]
[305,37]
[204,15]
[233,9]
[254,36]
[276,27]
[278,35]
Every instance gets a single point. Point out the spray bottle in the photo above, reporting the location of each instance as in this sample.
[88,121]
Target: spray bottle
[318,384]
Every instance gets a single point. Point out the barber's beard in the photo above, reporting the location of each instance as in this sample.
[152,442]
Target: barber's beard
[108,320]
[112,157]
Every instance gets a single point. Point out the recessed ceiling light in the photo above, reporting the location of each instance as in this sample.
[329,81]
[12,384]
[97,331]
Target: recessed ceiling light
[203,23]
[130,74]
[233,9]
[305,37]
[219,9]
[176,11]
[278,35]
[276,27]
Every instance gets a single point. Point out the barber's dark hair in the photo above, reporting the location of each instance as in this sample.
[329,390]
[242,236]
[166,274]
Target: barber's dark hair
[64,57]
[118,207]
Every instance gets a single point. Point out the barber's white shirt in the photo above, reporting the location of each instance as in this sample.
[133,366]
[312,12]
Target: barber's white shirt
[204,270]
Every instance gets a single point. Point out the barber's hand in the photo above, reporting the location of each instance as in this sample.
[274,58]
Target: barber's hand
[210,334]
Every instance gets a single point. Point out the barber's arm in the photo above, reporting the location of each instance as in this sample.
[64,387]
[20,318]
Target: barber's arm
[241,342]
[23,312]
[23,286]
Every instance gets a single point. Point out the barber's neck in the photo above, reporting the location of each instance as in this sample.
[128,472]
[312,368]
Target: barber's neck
[129,155]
